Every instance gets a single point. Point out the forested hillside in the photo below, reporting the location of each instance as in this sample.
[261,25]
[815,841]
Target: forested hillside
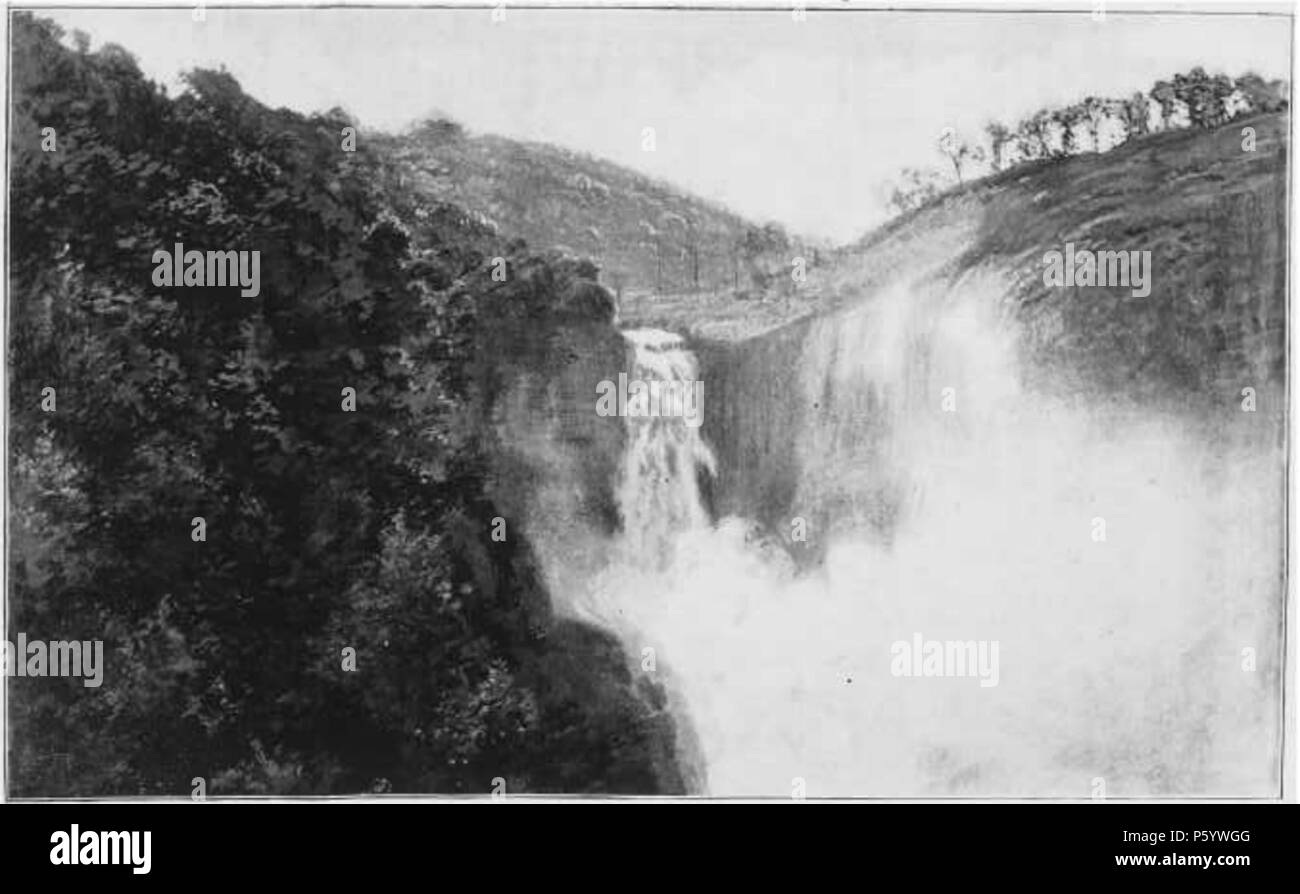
[274,510]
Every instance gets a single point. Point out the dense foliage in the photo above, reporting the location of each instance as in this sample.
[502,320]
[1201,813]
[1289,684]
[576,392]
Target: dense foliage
[325,529]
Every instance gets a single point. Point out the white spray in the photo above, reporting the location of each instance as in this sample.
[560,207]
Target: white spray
[1127,571]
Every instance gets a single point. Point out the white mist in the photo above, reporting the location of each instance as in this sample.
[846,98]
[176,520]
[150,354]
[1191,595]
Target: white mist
[1120,659]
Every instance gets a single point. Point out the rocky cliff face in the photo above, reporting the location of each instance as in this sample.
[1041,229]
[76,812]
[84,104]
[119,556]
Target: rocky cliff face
[552,476]
[755,410]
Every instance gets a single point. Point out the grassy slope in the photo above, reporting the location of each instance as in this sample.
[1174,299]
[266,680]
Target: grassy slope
[1214,218]
[552,197]
[1212,215]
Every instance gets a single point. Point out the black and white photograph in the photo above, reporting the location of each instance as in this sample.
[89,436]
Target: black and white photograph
[500,401]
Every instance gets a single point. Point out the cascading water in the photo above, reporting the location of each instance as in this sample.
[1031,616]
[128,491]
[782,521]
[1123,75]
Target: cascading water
[955,504]
[659,494]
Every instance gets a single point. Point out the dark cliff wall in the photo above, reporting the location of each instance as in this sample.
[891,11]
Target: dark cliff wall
[554,464]
[754,409]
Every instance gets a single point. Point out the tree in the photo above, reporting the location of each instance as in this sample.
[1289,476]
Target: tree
[1261,96]
[916,187]
[439,128]
[1136,111]
[764,250]
[1282,90]
[1032,135]
[999,137]
[1204,96]
[959,153]
[1096,111]
[1167,98]
[1067,119]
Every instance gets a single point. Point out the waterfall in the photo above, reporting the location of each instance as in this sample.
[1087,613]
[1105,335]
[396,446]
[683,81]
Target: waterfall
[659,492]
[1121,653]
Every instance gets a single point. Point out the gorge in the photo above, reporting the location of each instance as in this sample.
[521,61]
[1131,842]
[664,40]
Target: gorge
[949,469]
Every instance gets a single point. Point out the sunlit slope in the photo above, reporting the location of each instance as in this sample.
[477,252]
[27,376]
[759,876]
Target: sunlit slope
[640,230]
[1209,206]
[1211,214]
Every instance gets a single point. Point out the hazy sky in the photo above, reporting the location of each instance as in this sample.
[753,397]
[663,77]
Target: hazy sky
[802,123]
